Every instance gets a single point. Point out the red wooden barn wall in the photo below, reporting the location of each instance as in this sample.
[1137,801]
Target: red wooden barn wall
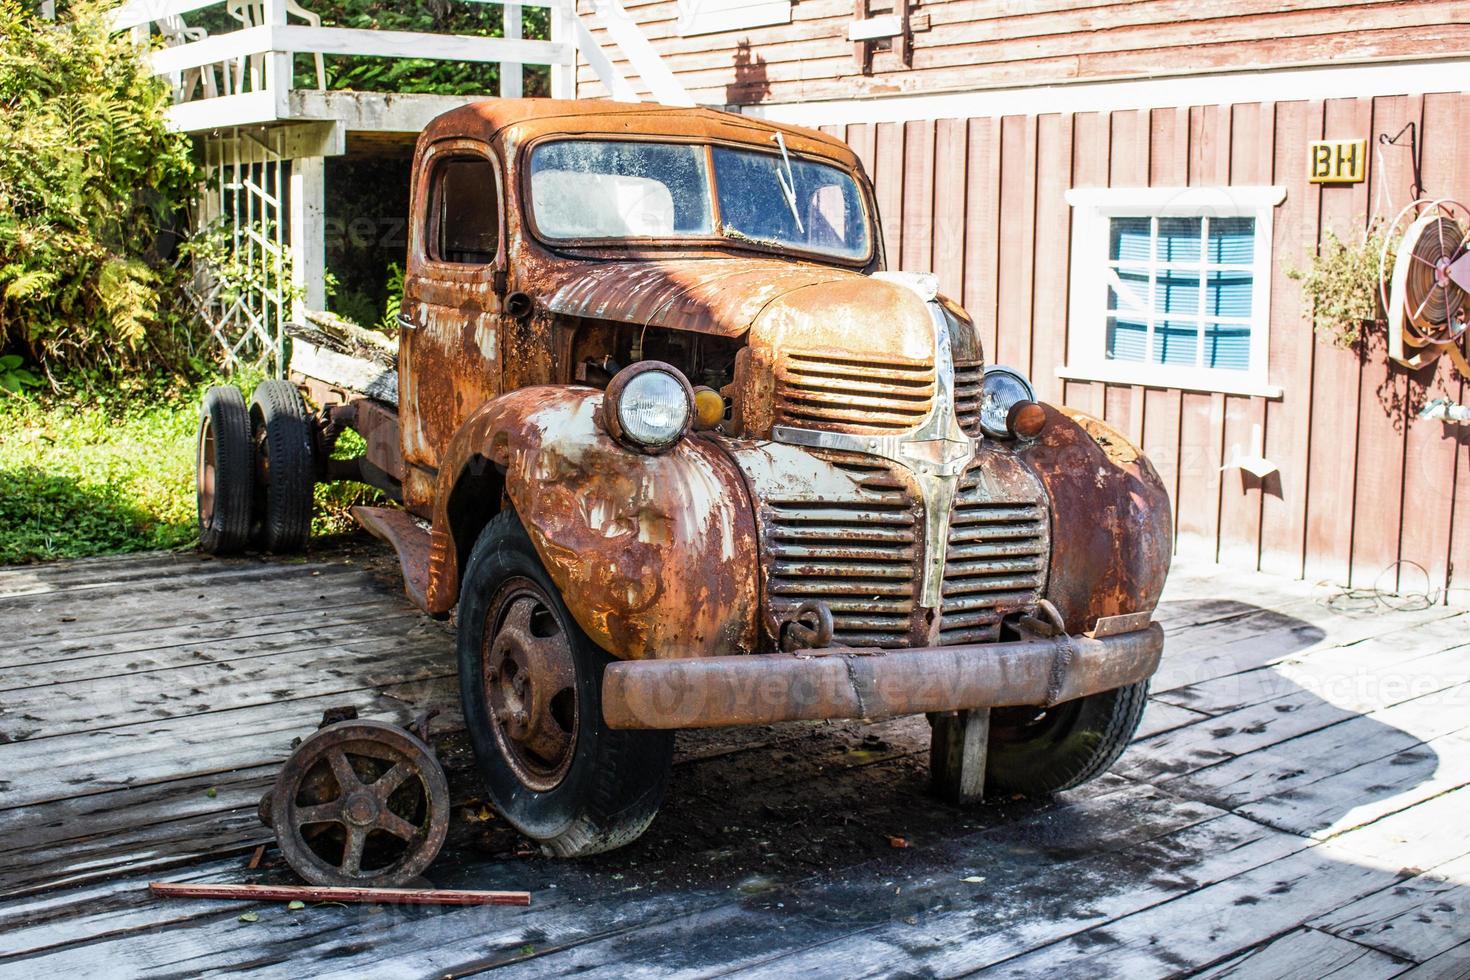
[964,45]
[1363,482]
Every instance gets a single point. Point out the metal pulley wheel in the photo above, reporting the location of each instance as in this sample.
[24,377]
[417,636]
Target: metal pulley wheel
[359,803]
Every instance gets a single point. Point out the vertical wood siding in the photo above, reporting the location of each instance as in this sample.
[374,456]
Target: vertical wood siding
[1364,484]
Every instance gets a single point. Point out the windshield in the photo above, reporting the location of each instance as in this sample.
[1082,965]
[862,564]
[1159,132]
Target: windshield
[590,189]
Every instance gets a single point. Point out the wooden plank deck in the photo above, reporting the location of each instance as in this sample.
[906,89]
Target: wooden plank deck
[1297,803]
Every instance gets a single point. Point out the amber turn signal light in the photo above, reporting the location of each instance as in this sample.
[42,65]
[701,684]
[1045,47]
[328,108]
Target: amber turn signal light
[709,408]
[1026,419]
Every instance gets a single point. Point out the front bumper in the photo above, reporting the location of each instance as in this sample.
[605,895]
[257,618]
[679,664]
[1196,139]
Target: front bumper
[708,692]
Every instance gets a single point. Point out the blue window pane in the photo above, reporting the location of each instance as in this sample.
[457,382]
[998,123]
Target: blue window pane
[1179,239]
[1129,239]
[1133,295]
[1228,346]
[1175,342]
[1126,339]
[1232,240]
[1177,292]
[1229,294]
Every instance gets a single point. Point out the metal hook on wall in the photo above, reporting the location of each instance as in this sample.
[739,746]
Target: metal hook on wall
[1412,130]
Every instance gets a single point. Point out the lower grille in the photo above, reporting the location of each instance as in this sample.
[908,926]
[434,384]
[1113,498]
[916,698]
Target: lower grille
[858,556]
[995,563]
[861,556]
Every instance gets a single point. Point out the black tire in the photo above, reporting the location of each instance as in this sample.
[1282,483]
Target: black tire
[225,471]
[610,783]
[1038,752]
[287,467]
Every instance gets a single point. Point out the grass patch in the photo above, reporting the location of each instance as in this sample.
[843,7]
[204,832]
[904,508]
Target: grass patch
[111,471]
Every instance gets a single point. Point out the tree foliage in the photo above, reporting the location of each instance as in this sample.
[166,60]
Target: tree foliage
[425,75]
[90,183]
[422,75]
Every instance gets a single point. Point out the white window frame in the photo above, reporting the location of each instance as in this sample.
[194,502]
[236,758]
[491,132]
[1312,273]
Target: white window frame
[1092,209]
[715,16]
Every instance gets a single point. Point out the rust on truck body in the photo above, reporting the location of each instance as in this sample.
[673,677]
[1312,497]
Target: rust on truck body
[850,475]
[1112,533]
[654,555]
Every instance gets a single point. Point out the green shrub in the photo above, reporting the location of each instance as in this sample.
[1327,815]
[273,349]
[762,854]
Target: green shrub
[109,468]
[91,182]
[97,471]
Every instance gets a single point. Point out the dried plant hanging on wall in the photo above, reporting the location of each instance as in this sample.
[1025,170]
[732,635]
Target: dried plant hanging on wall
[1340,285]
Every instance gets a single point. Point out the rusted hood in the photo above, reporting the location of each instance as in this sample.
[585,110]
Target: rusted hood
[715,296]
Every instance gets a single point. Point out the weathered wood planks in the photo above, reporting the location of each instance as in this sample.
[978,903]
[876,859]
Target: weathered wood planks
[1293,806]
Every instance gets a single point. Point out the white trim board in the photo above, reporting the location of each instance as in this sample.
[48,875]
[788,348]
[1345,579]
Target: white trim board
[1275,85]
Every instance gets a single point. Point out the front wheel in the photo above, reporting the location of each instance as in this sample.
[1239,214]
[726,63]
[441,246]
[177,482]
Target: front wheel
[1038,751]
[531,683]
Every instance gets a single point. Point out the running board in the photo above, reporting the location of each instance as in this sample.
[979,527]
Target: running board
[402,531]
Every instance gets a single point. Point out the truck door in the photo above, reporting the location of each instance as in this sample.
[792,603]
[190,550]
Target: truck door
[449,327]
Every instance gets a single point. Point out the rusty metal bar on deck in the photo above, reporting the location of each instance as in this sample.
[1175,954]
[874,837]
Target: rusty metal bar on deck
[338,893]
[707,692]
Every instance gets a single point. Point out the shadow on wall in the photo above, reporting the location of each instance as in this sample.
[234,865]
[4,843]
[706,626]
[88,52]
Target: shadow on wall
[750,84]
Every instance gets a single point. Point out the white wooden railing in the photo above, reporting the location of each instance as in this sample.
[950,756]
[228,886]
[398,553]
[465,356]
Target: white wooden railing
[246,75]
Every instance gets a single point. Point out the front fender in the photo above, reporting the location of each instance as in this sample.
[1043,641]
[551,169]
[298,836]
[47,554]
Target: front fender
[1112,529]
[655,556]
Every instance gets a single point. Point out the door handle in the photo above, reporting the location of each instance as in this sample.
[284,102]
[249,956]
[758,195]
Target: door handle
[406,322]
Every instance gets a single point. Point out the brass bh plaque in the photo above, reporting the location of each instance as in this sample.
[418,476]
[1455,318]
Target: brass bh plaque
[1336,161]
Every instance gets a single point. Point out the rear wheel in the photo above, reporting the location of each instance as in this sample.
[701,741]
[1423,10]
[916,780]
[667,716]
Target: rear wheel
[286,467]
[225,474]
[1037,751]
[531,682]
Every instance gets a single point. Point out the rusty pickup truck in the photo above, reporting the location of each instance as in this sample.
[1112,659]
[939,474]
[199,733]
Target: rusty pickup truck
[678,450]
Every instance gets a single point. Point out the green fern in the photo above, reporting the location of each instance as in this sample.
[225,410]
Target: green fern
[28,283]
[394,304]
[88,165]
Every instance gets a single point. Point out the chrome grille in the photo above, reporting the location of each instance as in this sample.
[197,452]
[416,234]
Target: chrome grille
[857,556]
[820,392]
[995,563]
[969,379]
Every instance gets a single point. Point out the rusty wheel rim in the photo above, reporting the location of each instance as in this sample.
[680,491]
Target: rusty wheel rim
[360,802]
[529,678]
[207,473]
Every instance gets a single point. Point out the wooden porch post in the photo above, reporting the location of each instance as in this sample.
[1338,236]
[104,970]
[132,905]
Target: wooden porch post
[308,234]
[564,31]
[510,71]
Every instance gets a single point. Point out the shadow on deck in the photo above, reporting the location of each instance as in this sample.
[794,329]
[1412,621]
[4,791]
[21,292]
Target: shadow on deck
[1292,762]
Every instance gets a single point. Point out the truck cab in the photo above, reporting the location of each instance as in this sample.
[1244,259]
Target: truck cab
[677,450]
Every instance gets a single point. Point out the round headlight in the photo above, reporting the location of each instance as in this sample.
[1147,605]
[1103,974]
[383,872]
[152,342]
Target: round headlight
[1003,388]
[648,405]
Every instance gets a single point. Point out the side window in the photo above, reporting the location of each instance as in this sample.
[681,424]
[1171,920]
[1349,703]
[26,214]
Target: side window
[464,212]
